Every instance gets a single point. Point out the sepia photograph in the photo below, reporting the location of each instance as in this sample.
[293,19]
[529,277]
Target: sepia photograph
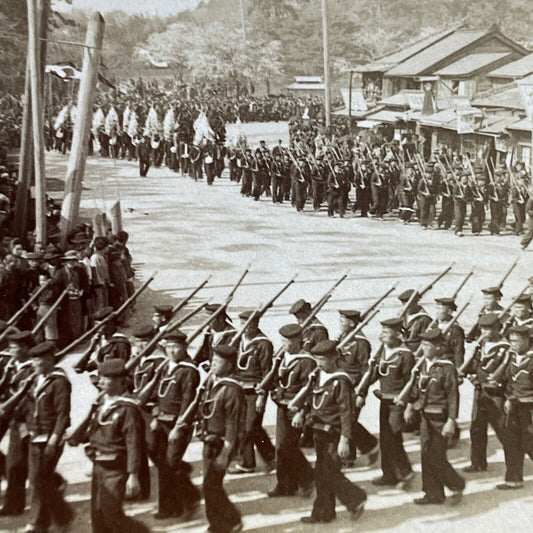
[265,266]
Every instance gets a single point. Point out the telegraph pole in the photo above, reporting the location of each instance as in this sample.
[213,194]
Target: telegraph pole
[80,136]
[242,20]
[327,82]
[35,18]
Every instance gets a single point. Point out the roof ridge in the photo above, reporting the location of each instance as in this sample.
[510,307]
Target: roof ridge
[451,28]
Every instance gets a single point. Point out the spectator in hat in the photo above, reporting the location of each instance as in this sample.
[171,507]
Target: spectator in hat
[118,277]
[73,310]
[100,268]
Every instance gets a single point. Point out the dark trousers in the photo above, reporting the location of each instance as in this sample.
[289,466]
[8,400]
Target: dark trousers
[255,435]
[319,191]
[362,440]
[293,471]
[485,410]
[394,461]
[380,199]
[210,172]
[108,486]
[446,212]
[337,200]
[246,184]
[16,471]
[277,189]
[497,217]
[300,194]
[221,514]
[176,491]
[257,185]
[437,472]
[519,211]
[426,206]
[48,504]
[406,206]
[144,166]
[477,217]
[459,215]
[363,201]
[329,480]
[518,441]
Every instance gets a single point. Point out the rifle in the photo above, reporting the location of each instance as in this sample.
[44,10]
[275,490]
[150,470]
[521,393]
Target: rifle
[507,274]
[462,284]
[326,296]
[112,316]
[171,326]
[220,310]
[50,312]
[298,401]
[258,313]
[187,299]
[467,362]
[499,286]
[506,324]
[405,394]
[277,358]
[430,285]
[357,329]
[366,378]
[78,434]
[364,316]
[14,319]
[10,404]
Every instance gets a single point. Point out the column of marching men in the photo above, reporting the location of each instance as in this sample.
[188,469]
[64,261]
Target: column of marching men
[319,165]
[155,394]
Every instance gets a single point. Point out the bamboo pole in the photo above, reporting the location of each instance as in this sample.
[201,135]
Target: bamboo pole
[80,136]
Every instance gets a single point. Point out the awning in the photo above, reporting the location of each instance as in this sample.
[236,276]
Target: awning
[368,124]
[522,125]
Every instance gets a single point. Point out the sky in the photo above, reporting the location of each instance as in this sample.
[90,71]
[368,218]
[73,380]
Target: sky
[146,7]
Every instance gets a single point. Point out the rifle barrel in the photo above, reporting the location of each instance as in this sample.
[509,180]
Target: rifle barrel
[112,316]
[49,313]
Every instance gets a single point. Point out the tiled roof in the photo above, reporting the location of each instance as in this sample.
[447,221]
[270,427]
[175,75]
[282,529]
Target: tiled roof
[517,69]
[424,60]
[471,64]
[385,62]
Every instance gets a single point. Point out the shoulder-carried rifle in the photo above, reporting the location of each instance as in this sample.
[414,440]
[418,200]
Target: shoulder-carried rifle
[50,312]
[267,382]
[220,310]
[405,394]
[258,313]
[115,314]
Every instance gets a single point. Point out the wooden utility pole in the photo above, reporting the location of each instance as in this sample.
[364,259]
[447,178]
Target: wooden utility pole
[25,172]
[327,82]
[80,135]
[35,9]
